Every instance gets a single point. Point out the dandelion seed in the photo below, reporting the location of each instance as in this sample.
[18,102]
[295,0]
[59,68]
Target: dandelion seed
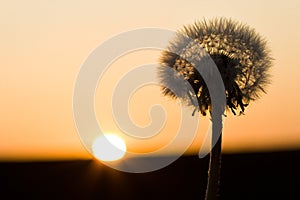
[240,54]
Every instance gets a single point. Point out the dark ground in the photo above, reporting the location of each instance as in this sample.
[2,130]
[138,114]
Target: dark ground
[244,176]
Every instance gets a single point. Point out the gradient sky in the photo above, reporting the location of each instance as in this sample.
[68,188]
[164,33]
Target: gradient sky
[44,43]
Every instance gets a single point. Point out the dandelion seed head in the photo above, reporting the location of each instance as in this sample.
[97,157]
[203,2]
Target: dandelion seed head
[241,55]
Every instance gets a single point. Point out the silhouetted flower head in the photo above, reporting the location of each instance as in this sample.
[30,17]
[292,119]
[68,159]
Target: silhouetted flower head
[241,55]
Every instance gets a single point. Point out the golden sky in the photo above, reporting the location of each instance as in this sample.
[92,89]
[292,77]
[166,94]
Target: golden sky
[44,43]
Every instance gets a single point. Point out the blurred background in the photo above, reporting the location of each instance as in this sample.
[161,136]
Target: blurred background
[44,43]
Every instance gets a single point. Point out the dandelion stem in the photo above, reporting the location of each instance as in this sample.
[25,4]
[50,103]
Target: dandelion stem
[214,170]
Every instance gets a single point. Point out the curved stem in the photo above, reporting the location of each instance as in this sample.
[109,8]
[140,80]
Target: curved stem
[214,170]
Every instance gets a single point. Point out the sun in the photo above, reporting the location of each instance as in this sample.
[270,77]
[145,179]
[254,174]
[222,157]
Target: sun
[109,147]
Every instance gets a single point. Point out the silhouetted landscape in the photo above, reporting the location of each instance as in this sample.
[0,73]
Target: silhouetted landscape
[272,175]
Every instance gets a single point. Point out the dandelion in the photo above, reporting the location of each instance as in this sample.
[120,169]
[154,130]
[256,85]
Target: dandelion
[242,58]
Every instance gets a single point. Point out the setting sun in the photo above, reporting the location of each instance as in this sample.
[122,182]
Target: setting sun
[109,147]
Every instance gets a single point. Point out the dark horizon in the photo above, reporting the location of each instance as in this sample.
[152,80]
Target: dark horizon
[267,175]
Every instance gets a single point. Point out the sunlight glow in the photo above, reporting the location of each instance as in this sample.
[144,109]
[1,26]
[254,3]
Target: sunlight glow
[112,151]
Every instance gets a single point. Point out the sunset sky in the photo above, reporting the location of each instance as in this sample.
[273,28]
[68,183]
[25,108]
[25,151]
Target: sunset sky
[44,43]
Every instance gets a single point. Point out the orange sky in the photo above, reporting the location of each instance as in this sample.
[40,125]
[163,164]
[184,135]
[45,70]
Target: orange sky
[44,43]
